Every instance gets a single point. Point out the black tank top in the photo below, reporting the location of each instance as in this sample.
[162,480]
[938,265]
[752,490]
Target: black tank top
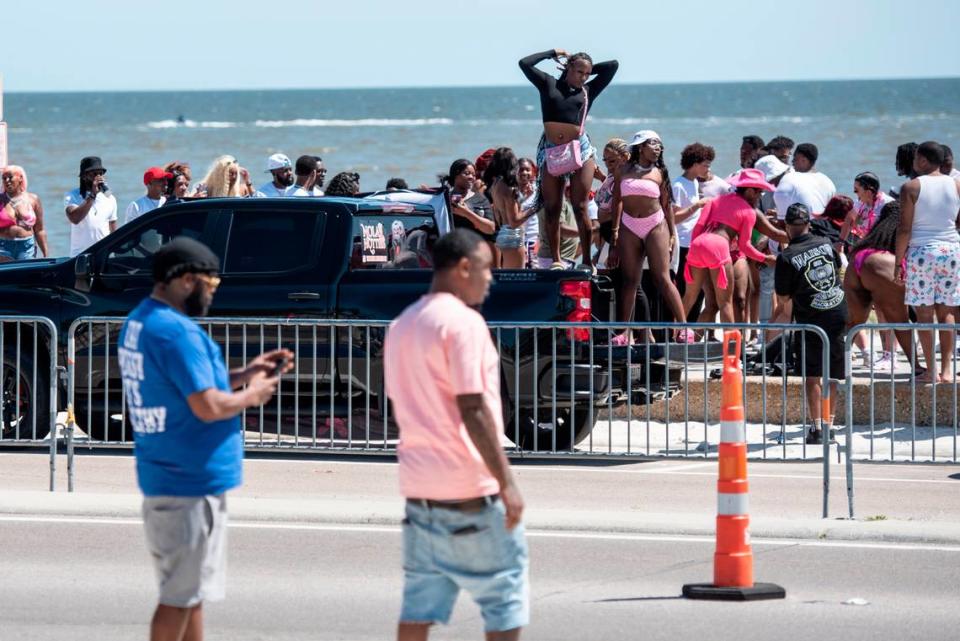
[560,102]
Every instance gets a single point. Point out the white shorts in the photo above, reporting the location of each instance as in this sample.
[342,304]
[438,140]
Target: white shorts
[933,275]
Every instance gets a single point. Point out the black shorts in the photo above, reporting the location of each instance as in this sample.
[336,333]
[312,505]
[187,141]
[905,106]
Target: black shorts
[809,349]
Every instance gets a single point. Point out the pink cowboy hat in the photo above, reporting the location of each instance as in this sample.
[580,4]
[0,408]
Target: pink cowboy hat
[750,178]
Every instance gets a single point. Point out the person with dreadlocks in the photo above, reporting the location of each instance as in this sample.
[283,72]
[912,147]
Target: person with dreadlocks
[870,280]
[565,151]
[346,183]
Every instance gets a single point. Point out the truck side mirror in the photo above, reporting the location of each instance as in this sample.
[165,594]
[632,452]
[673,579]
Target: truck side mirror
[81,270]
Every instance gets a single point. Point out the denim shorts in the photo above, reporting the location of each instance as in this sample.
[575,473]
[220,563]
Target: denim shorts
[446,550]
[18,248]
[187,538]
[510,238]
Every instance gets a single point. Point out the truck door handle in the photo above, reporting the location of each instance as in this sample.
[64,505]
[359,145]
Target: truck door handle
[303,296]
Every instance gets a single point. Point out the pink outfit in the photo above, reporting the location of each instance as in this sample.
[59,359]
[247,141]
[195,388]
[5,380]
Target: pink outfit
[866,216]
[734,212]
[27,220]
[639,187]
[436,350]
[641,227]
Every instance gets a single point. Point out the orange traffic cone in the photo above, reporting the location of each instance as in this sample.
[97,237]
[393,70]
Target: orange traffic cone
[733,560]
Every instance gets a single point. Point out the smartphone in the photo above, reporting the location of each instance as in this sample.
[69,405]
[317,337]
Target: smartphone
[456,199]
[281,364]
[104,188]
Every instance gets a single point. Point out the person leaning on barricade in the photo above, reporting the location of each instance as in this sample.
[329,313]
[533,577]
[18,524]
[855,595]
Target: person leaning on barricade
[808,286]
[184,412]
[462,528]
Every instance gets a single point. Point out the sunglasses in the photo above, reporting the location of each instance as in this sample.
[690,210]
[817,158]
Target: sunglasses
[213,282]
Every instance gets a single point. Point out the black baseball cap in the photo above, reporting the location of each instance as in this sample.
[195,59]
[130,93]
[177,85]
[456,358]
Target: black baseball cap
[797,214]
[183,255]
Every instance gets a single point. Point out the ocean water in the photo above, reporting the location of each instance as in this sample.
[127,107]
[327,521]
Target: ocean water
[416,133]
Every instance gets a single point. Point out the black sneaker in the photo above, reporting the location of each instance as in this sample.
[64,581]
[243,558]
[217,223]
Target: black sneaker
[815,436]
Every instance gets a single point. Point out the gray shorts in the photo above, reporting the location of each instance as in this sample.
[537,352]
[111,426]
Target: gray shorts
[187,538]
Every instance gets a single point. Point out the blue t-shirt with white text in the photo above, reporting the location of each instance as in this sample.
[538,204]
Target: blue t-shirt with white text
[164,358]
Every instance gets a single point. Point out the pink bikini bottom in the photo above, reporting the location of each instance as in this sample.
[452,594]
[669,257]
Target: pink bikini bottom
[862,256]
[641,227]
[709,251]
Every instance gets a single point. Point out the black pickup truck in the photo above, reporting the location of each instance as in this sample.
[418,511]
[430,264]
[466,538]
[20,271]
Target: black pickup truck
[329,258]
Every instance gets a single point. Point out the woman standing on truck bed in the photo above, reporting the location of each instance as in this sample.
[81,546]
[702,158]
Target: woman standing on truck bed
[565,151]
[501,176]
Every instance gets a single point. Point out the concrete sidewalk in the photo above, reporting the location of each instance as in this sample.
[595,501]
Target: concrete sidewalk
[896,503]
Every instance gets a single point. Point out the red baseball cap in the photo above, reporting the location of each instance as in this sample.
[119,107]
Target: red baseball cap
[155,173]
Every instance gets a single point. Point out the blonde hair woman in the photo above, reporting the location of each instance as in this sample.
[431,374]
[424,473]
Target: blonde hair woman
[222,180]
[21,218]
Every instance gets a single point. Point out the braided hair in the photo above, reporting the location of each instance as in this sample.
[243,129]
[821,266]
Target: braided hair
[346,183]
[580,55]
[883,234]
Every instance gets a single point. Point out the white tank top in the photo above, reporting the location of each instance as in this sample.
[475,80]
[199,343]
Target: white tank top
[935,215]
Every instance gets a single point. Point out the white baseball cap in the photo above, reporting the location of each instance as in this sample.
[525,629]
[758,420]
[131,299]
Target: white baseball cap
[771,166]
[278,161]
[643,136]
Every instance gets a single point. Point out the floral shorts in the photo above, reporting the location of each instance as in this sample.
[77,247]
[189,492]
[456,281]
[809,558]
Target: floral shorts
[933,275]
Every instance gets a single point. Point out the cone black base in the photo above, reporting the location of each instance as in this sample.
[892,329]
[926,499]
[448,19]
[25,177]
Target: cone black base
[710,592]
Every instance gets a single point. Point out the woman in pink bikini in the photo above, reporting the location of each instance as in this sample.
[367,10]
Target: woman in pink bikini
[642,204]
[727,221]
[869,281]
[21,218]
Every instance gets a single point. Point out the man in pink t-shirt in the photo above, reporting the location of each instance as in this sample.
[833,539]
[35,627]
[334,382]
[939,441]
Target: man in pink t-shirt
[462,527]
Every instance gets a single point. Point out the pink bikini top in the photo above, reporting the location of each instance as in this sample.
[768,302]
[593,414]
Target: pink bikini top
[639,187]
[26,220]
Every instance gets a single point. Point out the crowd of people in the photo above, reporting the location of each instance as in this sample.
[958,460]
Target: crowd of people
[695,247]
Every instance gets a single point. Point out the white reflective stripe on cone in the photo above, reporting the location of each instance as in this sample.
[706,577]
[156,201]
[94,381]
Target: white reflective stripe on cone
[733,432]
[733,504]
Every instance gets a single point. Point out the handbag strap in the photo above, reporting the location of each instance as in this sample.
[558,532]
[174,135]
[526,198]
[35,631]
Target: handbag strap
[586,102]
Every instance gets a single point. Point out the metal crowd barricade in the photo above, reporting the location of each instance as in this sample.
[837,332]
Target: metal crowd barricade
[567,389]
[28,382]
[912,421]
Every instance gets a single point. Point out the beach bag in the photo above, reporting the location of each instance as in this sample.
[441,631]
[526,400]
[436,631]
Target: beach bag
[565,159]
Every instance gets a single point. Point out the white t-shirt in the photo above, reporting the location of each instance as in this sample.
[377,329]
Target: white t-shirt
[955,173]
[269,190]
[714,187]
[299,192]
[141,206]
[685,194]
[812,189]
[531,228]
[95,225]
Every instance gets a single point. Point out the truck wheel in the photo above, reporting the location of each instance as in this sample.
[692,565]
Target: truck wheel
[540,437]
[22,414]
[112,432]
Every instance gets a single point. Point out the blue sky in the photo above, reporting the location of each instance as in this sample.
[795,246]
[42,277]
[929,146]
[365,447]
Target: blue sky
[64,45]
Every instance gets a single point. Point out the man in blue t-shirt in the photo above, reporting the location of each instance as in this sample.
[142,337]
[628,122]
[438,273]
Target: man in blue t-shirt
[188,444]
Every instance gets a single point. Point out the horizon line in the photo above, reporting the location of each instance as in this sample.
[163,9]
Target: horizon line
[475,86]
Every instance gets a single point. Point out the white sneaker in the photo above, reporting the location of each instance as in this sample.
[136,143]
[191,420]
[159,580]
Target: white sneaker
[885,361]
[866,359]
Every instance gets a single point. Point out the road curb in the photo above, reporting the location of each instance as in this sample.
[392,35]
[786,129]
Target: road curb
[382,512]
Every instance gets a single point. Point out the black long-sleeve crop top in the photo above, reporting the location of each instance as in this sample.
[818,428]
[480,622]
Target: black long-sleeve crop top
[560,102]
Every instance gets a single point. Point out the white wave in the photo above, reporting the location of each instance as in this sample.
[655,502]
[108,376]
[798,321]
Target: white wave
[360,122]
[191,124]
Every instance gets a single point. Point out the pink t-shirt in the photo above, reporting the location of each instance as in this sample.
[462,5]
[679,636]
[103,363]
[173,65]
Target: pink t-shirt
[436,350]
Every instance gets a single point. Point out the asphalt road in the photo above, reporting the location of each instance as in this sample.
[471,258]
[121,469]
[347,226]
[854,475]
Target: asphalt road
[91,579]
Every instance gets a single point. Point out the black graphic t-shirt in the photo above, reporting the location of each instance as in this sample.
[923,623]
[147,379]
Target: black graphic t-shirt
[808,271]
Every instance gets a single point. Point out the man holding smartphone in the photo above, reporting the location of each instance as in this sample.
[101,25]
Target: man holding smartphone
[91,208]
[184,406]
